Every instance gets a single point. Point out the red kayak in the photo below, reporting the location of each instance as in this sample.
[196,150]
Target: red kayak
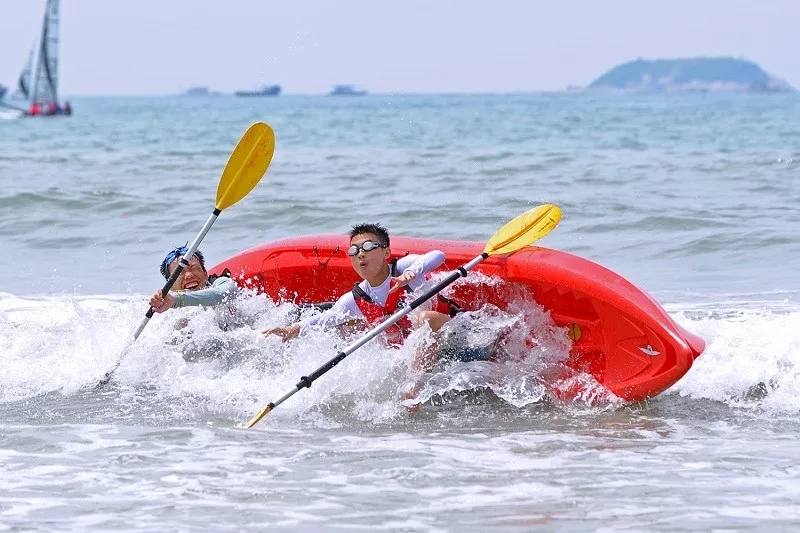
[620,334]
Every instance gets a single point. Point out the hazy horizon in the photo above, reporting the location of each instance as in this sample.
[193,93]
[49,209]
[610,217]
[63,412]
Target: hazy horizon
[146,48]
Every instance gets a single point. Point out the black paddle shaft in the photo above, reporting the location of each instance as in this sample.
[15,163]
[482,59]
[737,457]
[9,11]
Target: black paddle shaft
[461,272]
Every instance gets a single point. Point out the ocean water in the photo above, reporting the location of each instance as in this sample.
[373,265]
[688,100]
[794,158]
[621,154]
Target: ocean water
[693,198]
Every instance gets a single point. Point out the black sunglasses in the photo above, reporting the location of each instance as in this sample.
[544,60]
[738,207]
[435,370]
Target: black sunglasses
[367,246]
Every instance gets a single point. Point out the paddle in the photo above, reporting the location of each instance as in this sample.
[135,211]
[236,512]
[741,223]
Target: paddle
[245,168]
[520,232]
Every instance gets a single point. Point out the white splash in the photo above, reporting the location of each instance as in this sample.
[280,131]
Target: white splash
[752,357]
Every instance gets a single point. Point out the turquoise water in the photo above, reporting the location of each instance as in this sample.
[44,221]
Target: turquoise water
[677,193]
[692,198]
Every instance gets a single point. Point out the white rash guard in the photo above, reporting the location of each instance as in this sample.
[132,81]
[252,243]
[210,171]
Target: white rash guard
[346,309]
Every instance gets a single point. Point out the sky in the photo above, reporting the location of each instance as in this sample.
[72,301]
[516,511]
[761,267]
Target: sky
[150,47]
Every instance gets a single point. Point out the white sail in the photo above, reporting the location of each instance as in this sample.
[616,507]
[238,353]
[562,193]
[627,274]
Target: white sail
[24,83]
[38,81]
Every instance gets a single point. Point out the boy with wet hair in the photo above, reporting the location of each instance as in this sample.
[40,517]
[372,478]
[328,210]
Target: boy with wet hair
[194,287]
[378,295]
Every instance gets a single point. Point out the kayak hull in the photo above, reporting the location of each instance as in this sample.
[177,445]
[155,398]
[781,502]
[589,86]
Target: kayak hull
[620,334]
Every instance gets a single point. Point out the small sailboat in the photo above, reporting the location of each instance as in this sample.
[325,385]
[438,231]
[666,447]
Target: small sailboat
[38,82]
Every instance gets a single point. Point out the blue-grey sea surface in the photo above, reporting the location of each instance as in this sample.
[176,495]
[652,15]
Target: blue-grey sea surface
[693,198]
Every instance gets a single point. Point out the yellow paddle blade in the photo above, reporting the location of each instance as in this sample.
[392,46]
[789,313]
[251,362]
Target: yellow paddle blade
[528,227]
[261,414]
[247,165]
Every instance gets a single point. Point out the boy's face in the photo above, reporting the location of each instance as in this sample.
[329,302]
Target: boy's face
[369,265]
[194,277]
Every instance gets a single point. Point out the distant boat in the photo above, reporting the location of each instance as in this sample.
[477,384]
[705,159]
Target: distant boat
[197,91]
[347,90]
[265,90]
[38,82]
[200,91]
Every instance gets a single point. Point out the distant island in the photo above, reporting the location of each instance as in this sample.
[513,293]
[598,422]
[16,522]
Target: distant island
[701,74]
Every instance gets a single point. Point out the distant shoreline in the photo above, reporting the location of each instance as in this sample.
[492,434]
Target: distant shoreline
[572,91]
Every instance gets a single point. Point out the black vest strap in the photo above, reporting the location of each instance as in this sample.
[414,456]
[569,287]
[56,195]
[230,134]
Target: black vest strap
[214,277]
[358,292]
[394,272]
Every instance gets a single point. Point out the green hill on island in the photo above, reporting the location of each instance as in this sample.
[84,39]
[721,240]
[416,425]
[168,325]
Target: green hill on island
[702,74]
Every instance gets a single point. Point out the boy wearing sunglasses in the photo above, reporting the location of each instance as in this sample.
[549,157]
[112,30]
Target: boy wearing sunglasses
[194,286]
[379,295]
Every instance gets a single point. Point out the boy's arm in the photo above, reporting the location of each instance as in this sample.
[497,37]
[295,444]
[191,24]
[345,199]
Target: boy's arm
[222,289]
[421,264]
